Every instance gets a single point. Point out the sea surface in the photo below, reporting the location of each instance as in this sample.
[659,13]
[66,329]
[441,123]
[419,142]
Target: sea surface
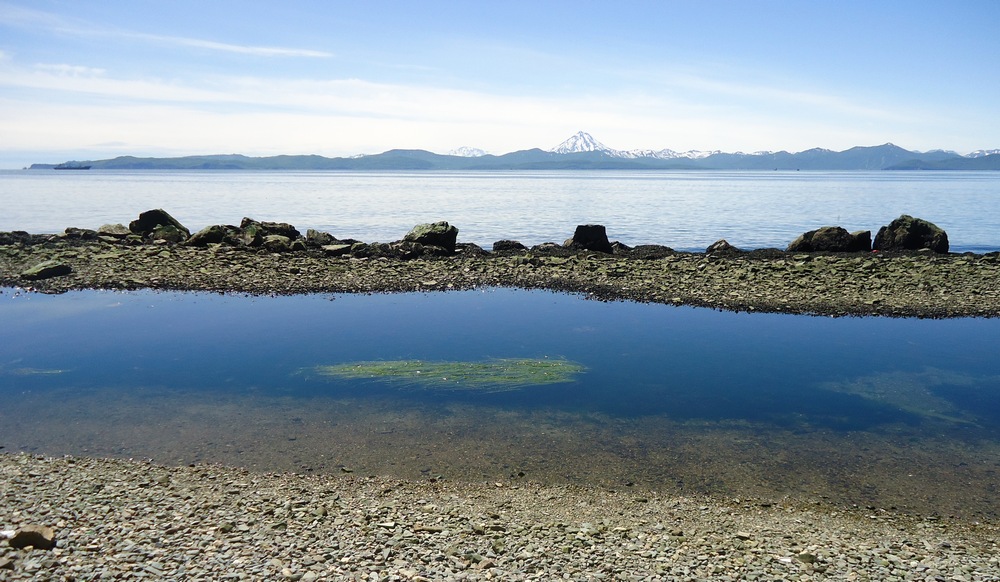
[684,210]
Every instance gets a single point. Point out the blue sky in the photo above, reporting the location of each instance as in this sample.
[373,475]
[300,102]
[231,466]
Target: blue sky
[88,80]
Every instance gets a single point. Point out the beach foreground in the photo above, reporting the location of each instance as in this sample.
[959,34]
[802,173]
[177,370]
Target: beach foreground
[121,518]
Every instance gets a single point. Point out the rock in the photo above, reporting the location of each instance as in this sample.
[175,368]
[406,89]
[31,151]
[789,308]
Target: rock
[620,248]
[721,246]
[114,230]
[438,234]
[170,233]
[149,220]
[254,233]
[834,239]
[80,233]
[508,245]
[911,234]
[319,239]
[336,250]
[46,270]
[591,237]
[40,537]
[650,252]
[217,233]
[277,243]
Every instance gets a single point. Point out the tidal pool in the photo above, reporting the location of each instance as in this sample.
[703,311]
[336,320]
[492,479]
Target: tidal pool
[508,385]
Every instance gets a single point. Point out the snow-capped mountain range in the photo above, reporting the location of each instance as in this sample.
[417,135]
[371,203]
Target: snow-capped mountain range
[584,142]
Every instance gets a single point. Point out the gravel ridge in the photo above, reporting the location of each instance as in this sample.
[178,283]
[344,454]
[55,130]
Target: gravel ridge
[918,284]
[125,519]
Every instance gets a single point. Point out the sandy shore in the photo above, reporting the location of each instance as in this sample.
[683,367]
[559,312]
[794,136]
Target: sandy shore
[116,519]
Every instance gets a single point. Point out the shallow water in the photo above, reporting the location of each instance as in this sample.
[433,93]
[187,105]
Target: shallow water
[684,210]
[868,411]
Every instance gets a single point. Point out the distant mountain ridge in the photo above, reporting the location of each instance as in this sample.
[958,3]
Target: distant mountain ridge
[580,152]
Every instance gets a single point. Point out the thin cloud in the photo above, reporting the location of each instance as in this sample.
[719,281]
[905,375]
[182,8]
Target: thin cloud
[263,51]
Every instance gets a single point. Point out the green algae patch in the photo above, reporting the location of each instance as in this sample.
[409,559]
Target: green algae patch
[499,375]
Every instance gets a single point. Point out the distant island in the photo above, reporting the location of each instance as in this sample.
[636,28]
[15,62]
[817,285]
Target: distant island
[579,152]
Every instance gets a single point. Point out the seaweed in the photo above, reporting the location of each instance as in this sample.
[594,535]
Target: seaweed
[495,375]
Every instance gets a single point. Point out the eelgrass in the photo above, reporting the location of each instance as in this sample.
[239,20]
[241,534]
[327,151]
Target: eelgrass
[499,375]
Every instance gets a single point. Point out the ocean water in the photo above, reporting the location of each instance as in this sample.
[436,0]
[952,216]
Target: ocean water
[683,210]
[869,411]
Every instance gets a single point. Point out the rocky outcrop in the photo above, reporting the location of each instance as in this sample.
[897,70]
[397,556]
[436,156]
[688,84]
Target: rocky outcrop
[911,234]
[147,223]
[590,237]
[514,246]
[437,234]
[833,239]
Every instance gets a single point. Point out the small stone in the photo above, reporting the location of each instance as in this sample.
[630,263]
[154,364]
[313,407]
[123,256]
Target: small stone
[46,270]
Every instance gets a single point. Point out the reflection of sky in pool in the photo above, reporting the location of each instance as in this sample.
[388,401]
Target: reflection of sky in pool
[892,411]
[850,373]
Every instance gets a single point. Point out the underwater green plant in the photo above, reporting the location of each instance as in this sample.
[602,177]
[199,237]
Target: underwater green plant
[498,375]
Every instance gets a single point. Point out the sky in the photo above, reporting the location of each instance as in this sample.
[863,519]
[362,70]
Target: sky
[86,79]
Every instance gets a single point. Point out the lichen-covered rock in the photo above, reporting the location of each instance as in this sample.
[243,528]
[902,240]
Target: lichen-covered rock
[149,220]
[46,270]
[265,229]
[908,233]
[277,243]
[319,239]
[591,237]
[834,239]
[169,233]
[438,234]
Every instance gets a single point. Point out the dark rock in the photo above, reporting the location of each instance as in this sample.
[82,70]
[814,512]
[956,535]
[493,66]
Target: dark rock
[439,234]
[40,537]
[832,239]
[591,237]
[721,246]
[910,234]
[149,220]
[217,233]
[46,270]
[114,230]
[508,246]
[15,237]
[319,239]
[299,245]
[470,250]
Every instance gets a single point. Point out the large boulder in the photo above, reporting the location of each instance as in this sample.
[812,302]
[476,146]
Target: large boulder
[911,234]
[254,232]
[214,234]
[722,247]
[590,237]
[832,239]
[438,234]
[502,246]
[149,220]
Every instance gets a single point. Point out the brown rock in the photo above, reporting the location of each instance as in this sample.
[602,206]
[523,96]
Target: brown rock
[40,537]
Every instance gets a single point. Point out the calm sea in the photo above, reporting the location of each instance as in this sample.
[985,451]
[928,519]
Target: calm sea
[683,210]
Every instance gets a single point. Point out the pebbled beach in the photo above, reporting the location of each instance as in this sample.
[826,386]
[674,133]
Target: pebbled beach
[117,519]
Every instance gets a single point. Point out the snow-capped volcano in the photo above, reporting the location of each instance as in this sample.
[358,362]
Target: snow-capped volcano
[584,142]
[467,152]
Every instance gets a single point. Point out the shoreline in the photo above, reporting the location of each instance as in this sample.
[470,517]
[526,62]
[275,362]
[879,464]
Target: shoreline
[124,517]
[908,284]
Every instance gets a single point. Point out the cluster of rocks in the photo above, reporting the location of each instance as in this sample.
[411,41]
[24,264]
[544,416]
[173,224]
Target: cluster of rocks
[902,234]
[117,519]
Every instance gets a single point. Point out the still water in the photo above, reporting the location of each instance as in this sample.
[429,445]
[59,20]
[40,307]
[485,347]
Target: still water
[870,411]
[684,210]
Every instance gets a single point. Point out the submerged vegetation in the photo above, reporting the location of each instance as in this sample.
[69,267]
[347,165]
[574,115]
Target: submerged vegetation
[498,375]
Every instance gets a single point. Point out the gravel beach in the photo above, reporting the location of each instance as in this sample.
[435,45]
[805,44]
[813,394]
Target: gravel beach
[123,519]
